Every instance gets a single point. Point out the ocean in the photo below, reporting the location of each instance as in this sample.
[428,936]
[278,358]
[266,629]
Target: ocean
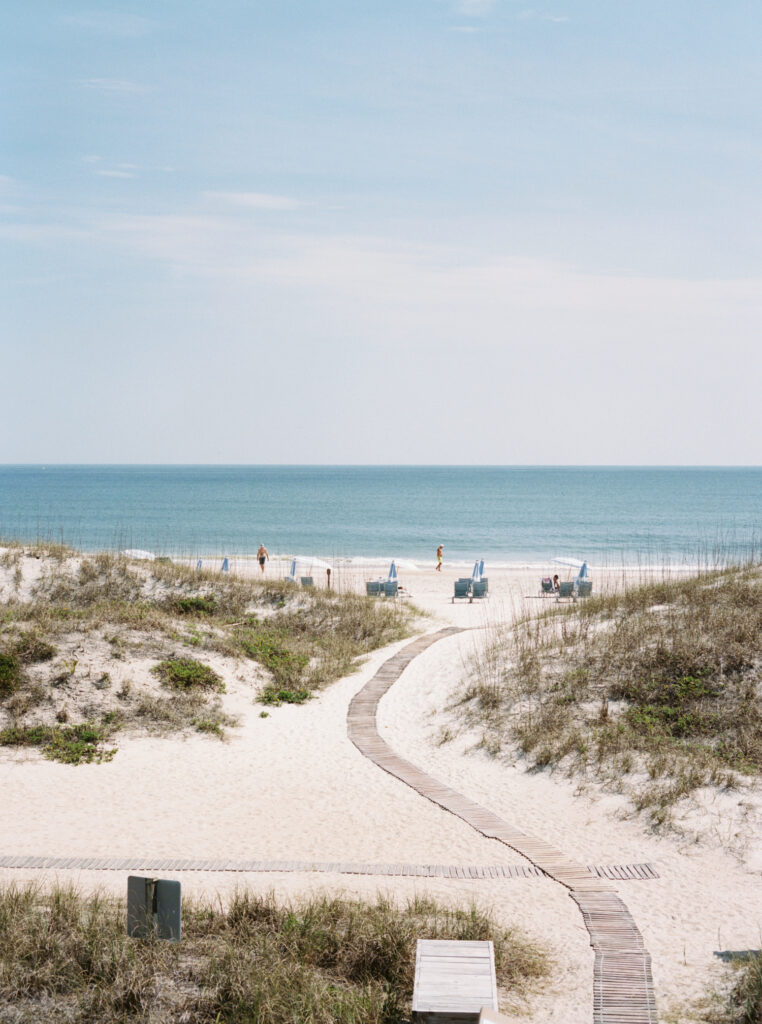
[507,515]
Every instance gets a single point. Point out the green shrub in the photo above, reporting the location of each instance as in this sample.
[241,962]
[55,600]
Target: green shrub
[72,744]
[31,648]
[210,725]
[272,695]
[271,649]
[188,674]
[195,605]
[10,674]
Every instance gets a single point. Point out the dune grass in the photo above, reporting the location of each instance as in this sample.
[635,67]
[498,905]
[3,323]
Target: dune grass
[322,960]
[661,678]
[743,1003]
[302,639]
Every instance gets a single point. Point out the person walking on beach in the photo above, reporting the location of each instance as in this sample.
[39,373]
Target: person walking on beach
[440,555]
[262,556]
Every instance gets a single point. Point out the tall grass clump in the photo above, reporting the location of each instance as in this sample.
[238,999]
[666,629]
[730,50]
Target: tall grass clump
[318,960]
[663,677]
[743,1004]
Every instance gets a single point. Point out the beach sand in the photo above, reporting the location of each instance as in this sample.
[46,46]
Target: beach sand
[291,787]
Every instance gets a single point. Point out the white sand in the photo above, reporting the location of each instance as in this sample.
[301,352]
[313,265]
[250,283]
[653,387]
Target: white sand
[292,787]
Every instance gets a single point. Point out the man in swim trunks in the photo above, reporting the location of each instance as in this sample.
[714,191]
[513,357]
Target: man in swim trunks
[262,556]
[440,551]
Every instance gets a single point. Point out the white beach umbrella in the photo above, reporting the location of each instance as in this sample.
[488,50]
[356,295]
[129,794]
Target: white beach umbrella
[308,562]
[137,553]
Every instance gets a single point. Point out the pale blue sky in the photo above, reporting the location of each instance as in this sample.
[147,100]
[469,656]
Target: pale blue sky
[438,231]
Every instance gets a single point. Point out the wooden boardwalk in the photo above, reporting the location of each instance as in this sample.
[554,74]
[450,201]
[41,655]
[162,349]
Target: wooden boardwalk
[626,872]
[622,979]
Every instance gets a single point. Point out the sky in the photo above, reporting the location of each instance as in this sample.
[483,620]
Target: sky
[410,231]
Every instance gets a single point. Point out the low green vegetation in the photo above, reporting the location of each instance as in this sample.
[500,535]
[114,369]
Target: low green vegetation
[272,695]
[66,956]
[199,605]
[187,674]
[662,679]
[70,744]
[10,674]
[319,639]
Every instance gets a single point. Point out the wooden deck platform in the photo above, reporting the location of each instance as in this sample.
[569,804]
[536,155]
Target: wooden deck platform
[454,980]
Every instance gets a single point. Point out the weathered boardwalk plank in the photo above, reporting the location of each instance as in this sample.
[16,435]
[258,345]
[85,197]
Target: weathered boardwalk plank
[466,871]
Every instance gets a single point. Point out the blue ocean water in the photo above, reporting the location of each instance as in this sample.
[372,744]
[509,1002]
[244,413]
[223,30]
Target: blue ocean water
[509,515]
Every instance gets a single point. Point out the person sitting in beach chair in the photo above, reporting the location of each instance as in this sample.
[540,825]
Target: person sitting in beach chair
[556,583]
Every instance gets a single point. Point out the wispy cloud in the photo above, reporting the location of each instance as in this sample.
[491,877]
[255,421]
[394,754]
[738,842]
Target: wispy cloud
[529,13]
[115,86]
[255,200]
[111,23]
[114,174]
[475,8]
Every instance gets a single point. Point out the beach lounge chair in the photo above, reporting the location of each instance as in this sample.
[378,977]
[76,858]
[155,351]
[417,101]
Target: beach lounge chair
[479,588]
[584,588]
[462,590]
[546,585]
[566,589]
[307,581]
[390,588]
[373,588]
